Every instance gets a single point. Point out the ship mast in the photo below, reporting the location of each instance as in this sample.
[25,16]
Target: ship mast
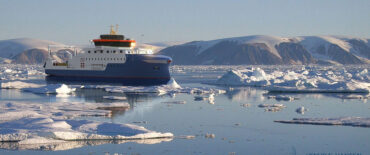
[112,31]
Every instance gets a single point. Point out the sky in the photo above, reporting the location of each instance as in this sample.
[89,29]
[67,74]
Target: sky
[78,21]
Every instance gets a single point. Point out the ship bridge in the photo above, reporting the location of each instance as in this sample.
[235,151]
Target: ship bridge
[114,40]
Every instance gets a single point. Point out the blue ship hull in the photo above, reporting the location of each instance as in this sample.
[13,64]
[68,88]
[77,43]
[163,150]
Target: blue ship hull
[135,71]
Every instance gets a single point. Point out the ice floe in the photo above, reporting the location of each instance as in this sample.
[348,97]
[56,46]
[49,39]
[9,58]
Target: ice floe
[47,124]
[51,89]
[272,107]
[19,85]
[345,121]
[304,80]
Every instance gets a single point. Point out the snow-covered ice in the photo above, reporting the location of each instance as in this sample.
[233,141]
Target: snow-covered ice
[345,121]
[19,85]
[34,123]
[304,80]
[51,89]
[272,107]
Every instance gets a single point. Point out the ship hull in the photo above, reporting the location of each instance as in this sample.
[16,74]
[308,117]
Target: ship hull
[137,70]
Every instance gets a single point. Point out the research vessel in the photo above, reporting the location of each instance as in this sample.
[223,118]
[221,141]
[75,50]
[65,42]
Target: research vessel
[113,59]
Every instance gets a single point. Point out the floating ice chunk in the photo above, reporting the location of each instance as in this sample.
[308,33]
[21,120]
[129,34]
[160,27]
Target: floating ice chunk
[272,107]
[8,71]
[51,89]
[300,110]
[284,98]
[211,99]
[232,77]
[210,135]
[19,85]
[345,121]
[173,84]
[186,137]
[64,89]
[25,127]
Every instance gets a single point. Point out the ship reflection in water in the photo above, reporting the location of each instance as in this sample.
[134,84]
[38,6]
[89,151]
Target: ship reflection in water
[104,81]
[102,96]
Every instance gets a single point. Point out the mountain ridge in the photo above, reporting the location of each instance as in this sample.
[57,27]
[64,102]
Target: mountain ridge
[314,50]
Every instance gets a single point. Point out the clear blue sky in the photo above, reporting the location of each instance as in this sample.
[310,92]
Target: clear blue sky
[77,21]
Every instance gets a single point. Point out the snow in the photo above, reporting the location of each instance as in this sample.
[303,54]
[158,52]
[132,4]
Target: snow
[345,121]
[304,80]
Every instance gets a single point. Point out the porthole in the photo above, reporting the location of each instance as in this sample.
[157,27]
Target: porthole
[94,51]
[88,51]
[114,51]
[120,51]
[107,51]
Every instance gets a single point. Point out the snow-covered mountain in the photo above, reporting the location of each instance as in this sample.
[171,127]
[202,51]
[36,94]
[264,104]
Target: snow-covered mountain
[253,50]
[260,49]
[13,47]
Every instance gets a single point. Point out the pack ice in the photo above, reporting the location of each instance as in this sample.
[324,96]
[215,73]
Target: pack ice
[303,80]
